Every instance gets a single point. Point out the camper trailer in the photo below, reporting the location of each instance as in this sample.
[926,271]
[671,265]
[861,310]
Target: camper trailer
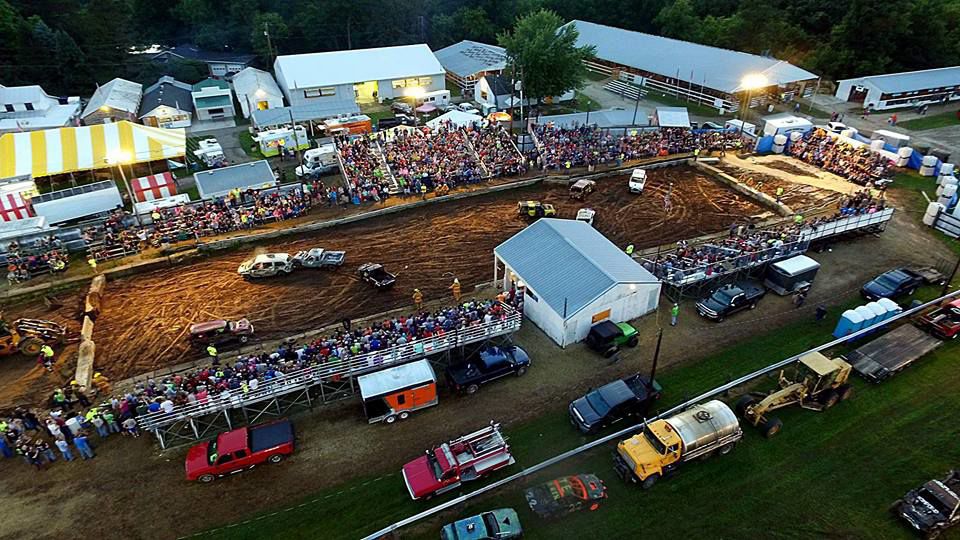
[791,275]
[393,393]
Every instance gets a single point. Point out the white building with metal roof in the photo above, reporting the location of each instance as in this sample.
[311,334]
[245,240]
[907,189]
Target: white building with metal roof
[468,61]
[336,82]
[709,75]
[29,108]
[117,100]
[573,278]
[911,88]
[256,90]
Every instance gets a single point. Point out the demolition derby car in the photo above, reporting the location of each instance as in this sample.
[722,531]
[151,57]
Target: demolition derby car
[266,265]
[221,331]
[319,258]
[535,209]
[932,507]
[566,495]
[499,523]
[376,275]
[581,188]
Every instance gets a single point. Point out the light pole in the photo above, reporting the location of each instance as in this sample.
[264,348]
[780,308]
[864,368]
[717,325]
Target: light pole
[415,93]
[118,158]
[750,82]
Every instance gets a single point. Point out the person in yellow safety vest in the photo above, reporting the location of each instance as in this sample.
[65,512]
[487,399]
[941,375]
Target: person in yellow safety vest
[423,191]
[779,193]
[417,299]
[568,164]
[46,357]
[212,352]
[57,265]
[630,249]
[798,219]
[155,215]
[92,261]
[456,290]
[696,153]
[102,384]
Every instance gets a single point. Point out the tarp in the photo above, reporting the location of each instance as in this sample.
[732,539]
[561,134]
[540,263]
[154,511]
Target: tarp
[673,117]
[13,206]
[62,150]
[426,108]
[457,118]
[153,187]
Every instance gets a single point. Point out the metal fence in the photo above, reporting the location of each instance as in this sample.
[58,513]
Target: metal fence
[947,224]
[342,374]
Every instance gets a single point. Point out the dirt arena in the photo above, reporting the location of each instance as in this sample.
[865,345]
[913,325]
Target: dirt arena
[799,197]
[145,318]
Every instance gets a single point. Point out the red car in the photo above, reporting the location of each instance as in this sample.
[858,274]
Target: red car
[943,322]
[239,450]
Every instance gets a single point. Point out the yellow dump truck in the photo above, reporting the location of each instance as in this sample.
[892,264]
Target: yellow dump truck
[663,445]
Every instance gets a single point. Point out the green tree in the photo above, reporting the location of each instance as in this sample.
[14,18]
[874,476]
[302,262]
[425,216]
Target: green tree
[276,26]
[678,20]
[545,55]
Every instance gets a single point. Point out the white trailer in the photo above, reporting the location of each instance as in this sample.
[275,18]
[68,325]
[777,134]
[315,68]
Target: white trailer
[79,202]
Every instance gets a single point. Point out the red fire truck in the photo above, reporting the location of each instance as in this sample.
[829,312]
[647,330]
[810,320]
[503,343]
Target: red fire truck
[469,457]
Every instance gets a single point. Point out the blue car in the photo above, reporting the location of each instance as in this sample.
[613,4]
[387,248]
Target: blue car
[491,363]
[493,525]
[898,282]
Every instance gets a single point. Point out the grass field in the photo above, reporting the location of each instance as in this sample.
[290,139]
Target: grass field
[248,146]
[949,118]
[832,473]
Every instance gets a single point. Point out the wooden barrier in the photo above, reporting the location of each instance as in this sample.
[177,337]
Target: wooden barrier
[761,198]
[85,355]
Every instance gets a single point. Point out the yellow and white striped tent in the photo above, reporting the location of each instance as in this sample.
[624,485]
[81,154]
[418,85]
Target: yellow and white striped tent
[62,150]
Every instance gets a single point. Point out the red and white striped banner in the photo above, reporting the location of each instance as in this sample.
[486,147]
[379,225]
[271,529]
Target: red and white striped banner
[154,187]
[14,207]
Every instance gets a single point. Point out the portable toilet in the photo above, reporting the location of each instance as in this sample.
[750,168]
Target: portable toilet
[892,307]
[869,317]
[850,322]
[880,312]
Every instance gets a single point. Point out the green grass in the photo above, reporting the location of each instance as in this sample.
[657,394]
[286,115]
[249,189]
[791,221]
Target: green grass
[455,90]
[584,103]
[249,146]
[911,186]
[931,122]
[594,76]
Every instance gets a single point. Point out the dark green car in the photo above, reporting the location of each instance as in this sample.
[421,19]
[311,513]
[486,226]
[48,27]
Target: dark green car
[607,337]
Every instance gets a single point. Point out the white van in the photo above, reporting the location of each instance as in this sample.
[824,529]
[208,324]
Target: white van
[266,265]
[638,180]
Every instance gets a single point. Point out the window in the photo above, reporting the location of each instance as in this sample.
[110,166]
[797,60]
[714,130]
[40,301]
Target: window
[412,83]
[240,454]
[401,399]
[29,106]
[224,459]
[218,110]
[320,92]
[8,107]
[484,95]
[426,81]
[328,91]
[529,293]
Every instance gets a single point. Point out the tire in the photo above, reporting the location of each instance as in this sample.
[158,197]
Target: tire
[649,481]
[771,427]
[472,389]
[522,371]
[244,340]
[404,415]
[742,404]
[276,458]
[911,291]
[206,479]
[725,449]
[931,534]
[633,342]
[719,318]
[390,419]
[610,352]
[829,398]
[30,346]
[753,305]
[844,391]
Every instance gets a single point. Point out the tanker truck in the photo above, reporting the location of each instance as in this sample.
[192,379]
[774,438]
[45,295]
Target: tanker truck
[663,445]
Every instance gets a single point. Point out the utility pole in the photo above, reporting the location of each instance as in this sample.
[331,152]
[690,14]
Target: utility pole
[266,32]
[953,274]
[656,355]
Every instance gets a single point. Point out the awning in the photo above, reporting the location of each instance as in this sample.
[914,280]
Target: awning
[57,151]
[426,108]
[14,207]
[153,187]
[673,117]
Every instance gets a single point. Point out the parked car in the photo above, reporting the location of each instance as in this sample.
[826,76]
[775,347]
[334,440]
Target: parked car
[607,337]
[221,331]
[497,524]
[891,284]
[376,275]
[566,495]
[730,299]
[836,127]
[612,402]
[469,108]
[266,265]
[932,507]
[401,107]
[487,365]
[943,322]
[238,450]
[710,125]
[319,258]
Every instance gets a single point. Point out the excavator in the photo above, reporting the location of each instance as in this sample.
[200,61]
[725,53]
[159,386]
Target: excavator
[818,384]
[28,336]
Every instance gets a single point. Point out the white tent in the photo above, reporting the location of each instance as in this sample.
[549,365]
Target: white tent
[673,117]
[458,118]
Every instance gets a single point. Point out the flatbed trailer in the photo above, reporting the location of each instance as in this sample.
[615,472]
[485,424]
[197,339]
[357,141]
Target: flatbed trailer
[892,352]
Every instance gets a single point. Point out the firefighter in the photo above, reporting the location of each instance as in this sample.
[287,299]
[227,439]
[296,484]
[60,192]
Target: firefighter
[212,353]
[46,357]
[779,193]
[456,290]
[102,384]
[417,299]
[629,249]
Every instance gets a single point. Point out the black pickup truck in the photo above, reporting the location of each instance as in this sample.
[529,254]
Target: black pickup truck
[491,363]
[891,284]
[612,402]
[730,299]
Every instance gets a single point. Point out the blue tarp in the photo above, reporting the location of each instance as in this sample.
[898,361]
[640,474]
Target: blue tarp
[765,144]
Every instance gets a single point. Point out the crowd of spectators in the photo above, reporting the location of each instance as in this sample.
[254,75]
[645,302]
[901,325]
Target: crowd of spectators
[859,165]
[26,260]
[364,170]
[225,379]
[238,210]
[862,202]
[496,149]
[566,148]
[424,158]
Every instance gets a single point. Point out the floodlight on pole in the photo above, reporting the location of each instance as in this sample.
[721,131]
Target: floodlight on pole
[119,157]
[415,93]
[750,82]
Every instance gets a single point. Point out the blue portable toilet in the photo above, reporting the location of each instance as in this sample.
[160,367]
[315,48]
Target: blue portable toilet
[869,317]
[892,307]
[849,322]
[879,311]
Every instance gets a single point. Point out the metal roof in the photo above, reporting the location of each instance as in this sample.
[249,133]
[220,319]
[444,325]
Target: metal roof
[910,81]
[355,66]
[720,69]
[215,182]
[210,82]
[568,261]
[602,118]
[250,80]
[395,378]
[303,113]
[469,57]
[171,94]
[795,265]
[673,117]
[119,94]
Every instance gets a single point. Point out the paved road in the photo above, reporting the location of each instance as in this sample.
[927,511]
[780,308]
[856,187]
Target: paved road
[230,142]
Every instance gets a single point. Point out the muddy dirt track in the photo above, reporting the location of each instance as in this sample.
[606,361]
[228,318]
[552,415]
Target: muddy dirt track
[145,319]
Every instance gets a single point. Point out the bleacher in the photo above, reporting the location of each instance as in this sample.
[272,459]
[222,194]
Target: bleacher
[625,89]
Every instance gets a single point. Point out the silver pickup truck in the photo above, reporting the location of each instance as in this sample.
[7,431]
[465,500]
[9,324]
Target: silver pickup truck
[319,258]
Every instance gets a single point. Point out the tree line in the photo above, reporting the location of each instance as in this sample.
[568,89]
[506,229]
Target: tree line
[69,46]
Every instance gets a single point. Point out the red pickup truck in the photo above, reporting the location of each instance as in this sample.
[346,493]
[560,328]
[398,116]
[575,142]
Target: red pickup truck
[463,459]
[239,450]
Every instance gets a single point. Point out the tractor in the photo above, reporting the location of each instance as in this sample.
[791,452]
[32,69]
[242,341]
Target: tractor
[817,384]
[27,336]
